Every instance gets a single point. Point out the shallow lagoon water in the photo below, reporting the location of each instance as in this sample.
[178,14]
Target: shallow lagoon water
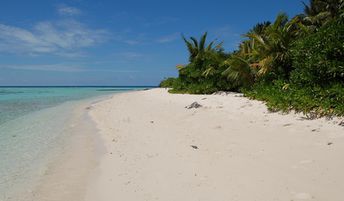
[17,101]
[34,127]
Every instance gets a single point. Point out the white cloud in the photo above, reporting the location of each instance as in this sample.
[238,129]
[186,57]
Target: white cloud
[62,67]
[46,67]
[168,38]
[58,38]
[68,11]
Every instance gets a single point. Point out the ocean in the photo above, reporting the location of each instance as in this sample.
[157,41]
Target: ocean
[34,123]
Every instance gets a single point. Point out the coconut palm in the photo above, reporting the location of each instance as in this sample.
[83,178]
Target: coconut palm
[260,28]
[270,49]
[239,71]
[197,49]
[246,47]
[204,58]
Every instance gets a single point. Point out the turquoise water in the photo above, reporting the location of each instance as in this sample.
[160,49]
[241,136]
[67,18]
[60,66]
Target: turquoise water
[34,124]
[17,101]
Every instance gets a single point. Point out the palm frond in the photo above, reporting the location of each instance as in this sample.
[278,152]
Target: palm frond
[239,71]
[210,46]
[202,41]
[280,21]
[257,38]
[194,40]
[265,65]
[219,46]
[209,71]
[191,48]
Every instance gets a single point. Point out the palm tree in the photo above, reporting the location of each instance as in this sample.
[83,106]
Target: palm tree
[270,49]
[246,47]
[197,49]
[204,58]
[260,28]
[239,71]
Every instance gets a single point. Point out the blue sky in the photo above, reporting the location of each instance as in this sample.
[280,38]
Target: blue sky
[109,42]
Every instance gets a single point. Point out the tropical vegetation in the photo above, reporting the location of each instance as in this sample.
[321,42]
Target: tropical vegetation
[292,64]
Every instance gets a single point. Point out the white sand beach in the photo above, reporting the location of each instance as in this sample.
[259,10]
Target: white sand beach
[231,148]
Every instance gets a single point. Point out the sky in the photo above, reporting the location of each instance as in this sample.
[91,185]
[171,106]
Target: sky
[116,43]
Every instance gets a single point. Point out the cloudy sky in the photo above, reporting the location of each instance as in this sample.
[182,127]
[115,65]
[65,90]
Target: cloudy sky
[110,42]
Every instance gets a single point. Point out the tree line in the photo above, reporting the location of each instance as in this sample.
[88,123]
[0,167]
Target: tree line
[292,64]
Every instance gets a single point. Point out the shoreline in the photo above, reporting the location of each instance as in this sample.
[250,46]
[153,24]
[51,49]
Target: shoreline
[232,148]
[63,170]
[67,177]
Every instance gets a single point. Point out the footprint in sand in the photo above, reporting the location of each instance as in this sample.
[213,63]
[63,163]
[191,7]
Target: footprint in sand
[316,130]
[247,105]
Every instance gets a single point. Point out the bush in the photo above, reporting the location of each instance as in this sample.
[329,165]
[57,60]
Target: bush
[203,76]
[308,99]
[167,82]
[193,81]
[318,59]
[310,79]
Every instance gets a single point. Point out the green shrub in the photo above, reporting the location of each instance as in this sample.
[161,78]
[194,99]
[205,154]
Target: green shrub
[167,82]
[302,74]
[318,59]
[308,99]
[203,76]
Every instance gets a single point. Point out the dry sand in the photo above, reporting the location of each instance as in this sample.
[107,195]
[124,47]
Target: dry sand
[230,149]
